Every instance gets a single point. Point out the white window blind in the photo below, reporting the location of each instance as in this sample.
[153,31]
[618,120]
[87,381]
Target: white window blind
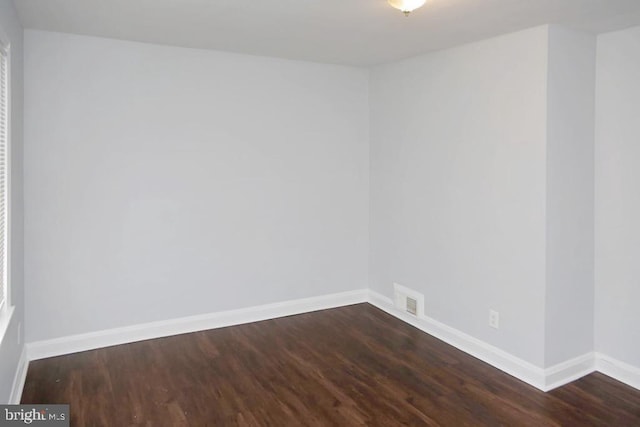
[4,135]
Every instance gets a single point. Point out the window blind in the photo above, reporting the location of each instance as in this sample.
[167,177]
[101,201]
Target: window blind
[4,135]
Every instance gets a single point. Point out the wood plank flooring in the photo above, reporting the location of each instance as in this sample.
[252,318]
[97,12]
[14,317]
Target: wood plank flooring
[348,366]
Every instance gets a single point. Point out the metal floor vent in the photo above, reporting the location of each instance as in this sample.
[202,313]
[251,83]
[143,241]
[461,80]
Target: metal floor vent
[408,300]
[412,306]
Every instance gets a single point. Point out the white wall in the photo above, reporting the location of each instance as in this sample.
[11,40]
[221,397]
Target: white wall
[164,182]
[617,261]
[569,293]
[12,342]
[458,172]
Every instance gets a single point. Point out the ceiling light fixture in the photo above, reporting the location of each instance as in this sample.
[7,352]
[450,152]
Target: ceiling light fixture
[406,6]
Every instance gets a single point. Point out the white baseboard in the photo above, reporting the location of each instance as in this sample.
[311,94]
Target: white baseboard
[89,341]
[543,379]
[569,371]
[500,359]
[618,370]
[19,378]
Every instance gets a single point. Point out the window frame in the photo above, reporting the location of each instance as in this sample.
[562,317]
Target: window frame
[7,308]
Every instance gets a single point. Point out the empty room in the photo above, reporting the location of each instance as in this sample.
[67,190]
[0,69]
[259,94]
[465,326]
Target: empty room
[320,212]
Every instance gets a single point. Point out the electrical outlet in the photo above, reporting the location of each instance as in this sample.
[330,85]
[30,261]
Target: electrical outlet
[494,319]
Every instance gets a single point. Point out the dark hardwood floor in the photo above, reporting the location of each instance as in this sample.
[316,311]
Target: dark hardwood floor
[354,365]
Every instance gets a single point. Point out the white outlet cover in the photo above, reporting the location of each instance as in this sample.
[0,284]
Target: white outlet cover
[494,319]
